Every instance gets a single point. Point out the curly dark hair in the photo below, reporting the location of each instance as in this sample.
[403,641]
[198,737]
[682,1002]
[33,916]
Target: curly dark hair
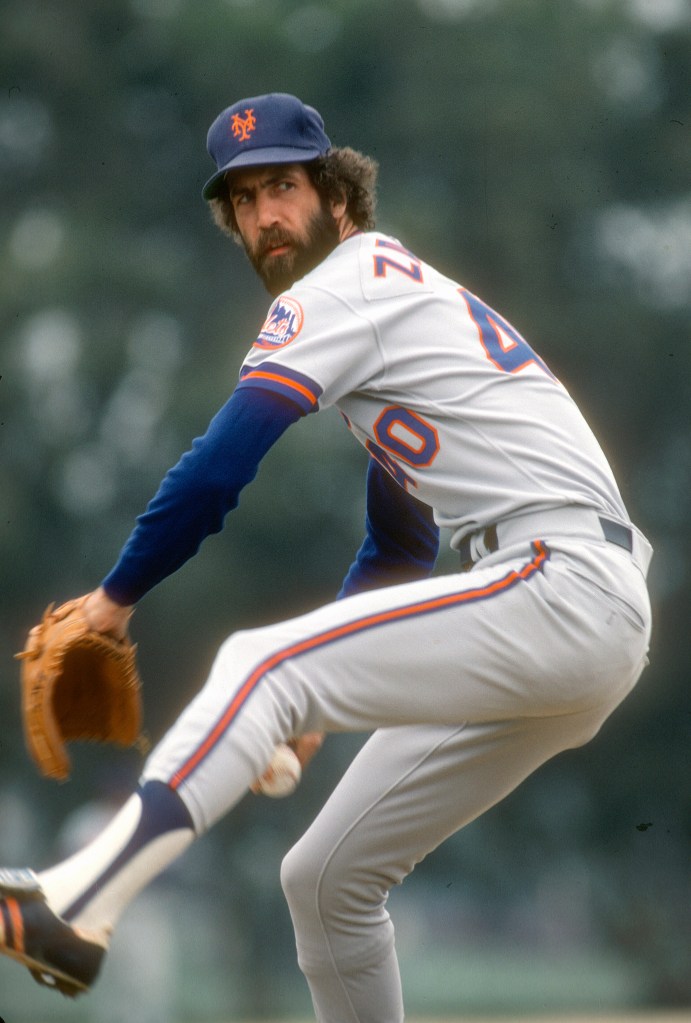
[342,173]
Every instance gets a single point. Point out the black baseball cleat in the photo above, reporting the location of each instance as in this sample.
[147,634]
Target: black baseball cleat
[30,932]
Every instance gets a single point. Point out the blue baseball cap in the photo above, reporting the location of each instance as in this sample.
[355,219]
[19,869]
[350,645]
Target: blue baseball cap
[276,128]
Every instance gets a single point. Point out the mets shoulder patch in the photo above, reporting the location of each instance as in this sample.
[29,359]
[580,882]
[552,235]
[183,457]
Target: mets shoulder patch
[282,325]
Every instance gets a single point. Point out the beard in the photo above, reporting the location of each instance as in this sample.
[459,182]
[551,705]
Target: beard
[278,273]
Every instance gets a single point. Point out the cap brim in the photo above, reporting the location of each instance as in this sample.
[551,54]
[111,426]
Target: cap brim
[258,158]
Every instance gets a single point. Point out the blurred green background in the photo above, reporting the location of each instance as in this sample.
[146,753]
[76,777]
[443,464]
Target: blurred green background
[540,153]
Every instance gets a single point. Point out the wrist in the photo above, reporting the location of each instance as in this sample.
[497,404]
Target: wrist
[105,615]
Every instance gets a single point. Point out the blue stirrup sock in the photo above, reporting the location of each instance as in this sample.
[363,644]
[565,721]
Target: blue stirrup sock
[92,888]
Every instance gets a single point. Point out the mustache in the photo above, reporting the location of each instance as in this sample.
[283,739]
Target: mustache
[271,238]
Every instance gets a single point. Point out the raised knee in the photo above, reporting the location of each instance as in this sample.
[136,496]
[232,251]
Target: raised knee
[237,645]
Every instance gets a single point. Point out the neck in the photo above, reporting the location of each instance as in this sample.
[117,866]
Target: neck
[346,228]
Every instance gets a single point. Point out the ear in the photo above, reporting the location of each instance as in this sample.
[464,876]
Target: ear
[339,211]
[338,207]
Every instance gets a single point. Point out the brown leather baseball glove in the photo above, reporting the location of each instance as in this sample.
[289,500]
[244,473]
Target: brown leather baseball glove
[77,684]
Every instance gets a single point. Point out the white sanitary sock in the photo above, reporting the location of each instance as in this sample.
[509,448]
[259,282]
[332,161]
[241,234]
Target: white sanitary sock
[91,888]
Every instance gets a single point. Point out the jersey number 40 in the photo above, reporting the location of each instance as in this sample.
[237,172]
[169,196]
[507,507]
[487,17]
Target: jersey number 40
[503,345]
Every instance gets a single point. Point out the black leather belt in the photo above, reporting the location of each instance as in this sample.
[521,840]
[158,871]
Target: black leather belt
[613,532]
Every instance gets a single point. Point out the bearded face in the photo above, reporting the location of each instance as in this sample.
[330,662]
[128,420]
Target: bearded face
[282,256]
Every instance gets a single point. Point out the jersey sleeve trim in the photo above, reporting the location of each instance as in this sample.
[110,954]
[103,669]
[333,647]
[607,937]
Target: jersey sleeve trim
[295,386]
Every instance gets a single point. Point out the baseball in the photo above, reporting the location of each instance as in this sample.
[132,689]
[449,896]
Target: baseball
[283,774]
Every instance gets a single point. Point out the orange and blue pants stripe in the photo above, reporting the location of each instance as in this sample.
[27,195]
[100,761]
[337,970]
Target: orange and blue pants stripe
[468,595]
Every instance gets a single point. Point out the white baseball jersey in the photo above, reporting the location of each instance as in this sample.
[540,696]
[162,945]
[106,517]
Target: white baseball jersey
[438,387]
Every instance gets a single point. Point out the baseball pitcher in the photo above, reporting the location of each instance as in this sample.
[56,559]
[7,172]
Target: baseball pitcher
[468,681]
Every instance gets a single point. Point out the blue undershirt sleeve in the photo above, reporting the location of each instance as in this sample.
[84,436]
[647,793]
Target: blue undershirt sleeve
[196,494]
[401,542]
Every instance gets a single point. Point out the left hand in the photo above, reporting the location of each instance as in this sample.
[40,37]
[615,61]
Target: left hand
[104,615]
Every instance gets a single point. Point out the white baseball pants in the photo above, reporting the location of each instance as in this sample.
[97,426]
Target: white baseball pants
[469,682]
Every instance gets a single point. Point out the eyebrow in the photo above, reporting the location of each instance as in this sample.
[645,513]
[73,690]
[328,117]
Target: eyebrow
[278,174]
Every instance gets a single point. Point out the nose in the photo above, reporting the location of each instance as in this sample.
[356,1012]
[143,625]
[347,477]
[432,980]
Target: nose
[266,211]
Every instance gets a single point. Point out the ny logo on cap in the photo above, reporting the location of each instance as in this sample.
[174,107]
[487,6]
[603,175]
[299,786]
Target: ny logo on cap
[242,127]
